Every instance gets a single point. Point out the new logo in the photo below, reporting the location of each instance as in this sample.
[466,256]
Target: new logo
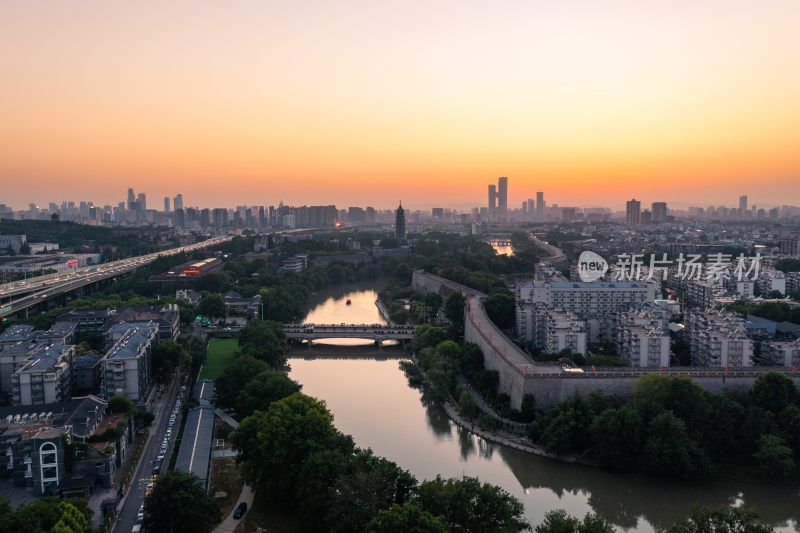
[591,266]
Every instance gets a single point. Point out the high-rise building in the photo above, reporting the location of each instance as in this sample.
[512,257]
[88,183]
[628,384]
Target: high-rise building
[743,204]
[400,223]
[492,201]
[166,204]
[659,210]
[178,202]
[131,198]
[437,213]
[502,196]
[142,199]
[540,205]
[633,212]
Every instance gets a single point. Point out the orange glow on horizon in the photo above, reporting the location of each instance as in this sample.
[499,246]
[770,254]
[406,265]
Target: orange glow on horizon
[364,103]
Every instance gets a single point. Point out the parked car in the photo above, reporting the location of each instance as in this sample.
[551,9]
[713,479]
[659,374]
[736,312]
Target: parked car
[240,510]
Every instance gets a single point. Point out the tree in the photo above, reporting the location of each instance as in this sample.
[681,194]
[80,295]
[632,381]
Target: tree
[559,521]
[428,336]
[469,506]
[178,504]
[467,406]
[406,518]
[212,305]
[264,340]
[774,457]
[46,514]
[724,520]
[168,356]
[670,451]
[789,422]
[774,392]
[501,309]
[120,404]
[566,428]
[274,444]
[616,437]
[454,310]
[315,483]
[527,409]
[654,394]
[368,485]
[229,385]
[263,389]
[433,301]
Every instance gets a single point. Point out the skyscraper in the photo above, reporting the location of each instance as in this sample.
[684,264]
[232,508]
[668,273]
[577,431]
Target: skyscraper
[492,201]
[659,210]
[400,223]
[633,212]
[502,197]
[178,202]
[540,205]
[142,199]
[131,198]
[743,204]
[166,204]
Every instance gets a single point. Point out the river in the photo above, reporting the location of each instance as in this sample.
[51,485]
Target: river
[371,400]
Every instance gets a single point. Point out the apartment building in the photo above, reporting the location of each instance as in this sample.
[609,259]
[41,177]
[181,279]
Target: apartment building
[782,353]
[644,346]
[44,377]
[126,367]
[564,331]
[718,338]
[577,296]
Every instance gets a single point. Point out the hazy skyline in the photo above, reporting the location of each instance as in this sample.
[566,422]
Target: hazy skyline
[358,103]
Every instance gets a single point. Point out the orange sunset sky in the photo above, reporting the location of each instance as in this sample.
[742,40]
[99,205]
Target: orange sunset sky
[370,102]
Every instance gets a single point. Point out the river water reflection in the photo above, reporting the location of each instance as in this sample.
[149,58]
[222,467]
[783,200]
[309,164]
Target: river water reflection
[371,400]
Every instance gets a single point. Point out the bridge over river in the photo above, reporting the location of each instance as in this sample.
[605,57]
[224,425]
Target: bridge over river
[375,332]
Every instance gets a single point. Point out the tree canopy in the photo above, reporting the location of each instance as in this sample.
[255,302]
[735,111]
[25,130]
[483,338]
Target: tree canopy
[178,504]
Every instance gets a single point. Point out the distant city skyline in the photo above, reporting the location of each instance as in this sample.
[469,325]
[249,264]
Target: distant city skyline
[175,200]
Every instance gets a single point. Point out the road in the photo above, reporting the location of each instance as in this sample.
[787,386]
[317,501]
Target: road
[39,289]
[135,497]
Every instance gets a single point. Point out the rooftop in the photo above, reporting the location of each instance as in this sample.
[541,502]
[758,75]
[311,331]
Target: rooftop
[135,336]
[46,358]
[17,333]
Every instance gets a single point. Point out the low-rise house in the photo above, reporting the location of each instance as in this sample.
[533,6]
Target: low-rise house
[45,450]
[190,296]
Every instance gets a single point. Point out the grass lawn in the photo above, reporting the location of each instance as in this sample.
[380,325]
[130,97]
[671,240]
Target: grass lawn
[220,355]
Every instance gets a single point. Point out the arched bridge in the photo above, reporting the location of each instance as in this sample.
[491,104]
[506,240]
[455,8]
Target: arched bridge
[376,332]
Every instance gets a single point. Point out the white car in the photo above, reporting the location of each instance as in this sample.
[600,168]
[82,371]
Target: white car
[140,514]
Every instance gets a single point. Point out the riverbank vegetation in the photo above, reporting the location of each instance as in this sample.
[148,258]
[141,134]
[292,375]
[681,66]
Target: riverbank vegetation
[674,428]
[291,452]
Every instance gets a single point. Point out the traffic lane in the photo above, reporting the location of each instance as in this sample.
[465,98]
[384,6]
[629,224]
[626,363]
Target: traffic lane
[128,514]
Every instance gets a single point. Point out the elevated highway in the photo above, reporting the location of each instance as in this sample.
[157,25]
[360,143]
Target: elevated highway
[21,295]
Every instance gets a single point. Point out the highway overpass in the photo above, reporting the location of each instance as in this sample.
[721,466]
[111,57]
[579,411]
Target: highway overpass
[21,295]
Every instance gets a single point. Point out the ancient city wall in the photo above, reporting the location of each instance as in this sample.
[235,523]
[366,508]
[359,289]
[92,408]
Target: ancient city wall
[549,384]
